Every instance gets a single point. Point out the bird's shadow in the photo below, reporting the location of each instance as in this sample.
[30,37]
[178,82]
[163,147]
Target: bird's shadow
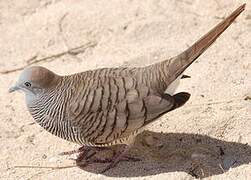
[198,155]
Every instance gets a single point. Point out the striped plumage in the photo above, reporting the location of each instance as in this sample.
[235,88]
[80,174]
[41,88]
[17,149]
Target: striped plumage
[109,106]
[100,106]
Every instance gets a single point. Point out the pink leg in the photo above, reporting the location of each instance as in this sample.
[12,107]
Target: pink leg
[84,152]
[84,160]
[119,156]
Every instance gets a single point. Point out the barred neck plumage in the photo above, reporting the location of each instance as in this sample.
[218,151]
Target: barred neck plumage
[49,109]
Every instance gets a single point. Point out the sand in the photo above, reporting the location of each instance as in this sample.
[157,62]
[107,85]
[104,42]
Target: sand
[209,137]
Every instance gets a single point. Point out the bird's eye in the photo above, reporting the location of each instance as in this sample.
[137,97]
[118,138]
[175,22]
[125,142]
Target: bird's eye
[27,84]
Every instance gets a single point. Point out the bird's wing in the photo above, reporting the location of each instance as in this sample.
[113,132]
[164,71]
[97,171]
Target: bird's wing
[116,108]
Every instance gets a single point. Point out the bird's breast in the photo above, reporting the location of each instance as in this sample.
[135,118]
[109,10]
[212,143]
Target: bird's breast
[50,113]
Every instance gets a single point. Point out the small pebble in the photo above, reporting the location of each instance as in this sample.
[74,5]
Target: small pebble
[44,156]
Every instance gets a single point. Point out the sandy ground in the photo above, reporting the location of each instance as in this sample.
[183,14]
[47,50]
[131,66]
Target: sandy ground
[209,137]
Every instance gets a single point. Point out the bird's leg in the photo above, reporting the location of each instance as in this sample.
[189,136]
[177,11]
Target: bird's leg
[89,152]
[109,159]
[113,161]
[88,157]
[84,152]
[119,156]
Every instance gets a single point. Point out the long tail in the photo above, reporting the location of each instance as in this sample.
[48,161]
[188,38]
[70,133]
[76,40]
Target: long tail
[177,65]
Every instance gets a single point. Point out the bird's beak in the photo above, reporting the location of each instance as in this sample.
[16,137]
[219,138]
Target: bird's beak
[13,88]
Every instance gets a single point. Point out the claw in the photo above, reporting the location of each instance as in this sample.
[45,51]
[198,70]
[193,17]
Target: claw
[79,150]
[69,152]
[86,156]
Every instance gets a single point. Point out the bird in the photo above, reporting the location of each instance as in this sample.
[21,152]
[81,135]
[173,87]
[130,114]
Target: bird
[109,106]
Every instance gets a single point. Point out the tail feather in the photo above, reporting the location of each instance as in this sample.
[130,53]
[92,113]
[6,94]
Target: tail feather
[178,64]
[180,99]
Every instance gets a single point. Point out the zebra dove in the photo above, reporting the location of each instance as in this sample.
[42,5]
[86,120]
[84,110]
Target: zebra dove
[110,106]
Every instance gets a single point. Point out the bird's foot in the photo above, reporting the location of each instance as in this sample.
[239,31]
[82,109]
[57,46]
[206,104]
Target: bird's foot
[119,156]
[113,160]
[83,153]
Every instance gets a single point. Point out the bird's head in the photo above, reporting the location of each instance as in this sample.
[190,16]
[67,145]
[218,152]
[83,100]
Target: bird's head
[34,81]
